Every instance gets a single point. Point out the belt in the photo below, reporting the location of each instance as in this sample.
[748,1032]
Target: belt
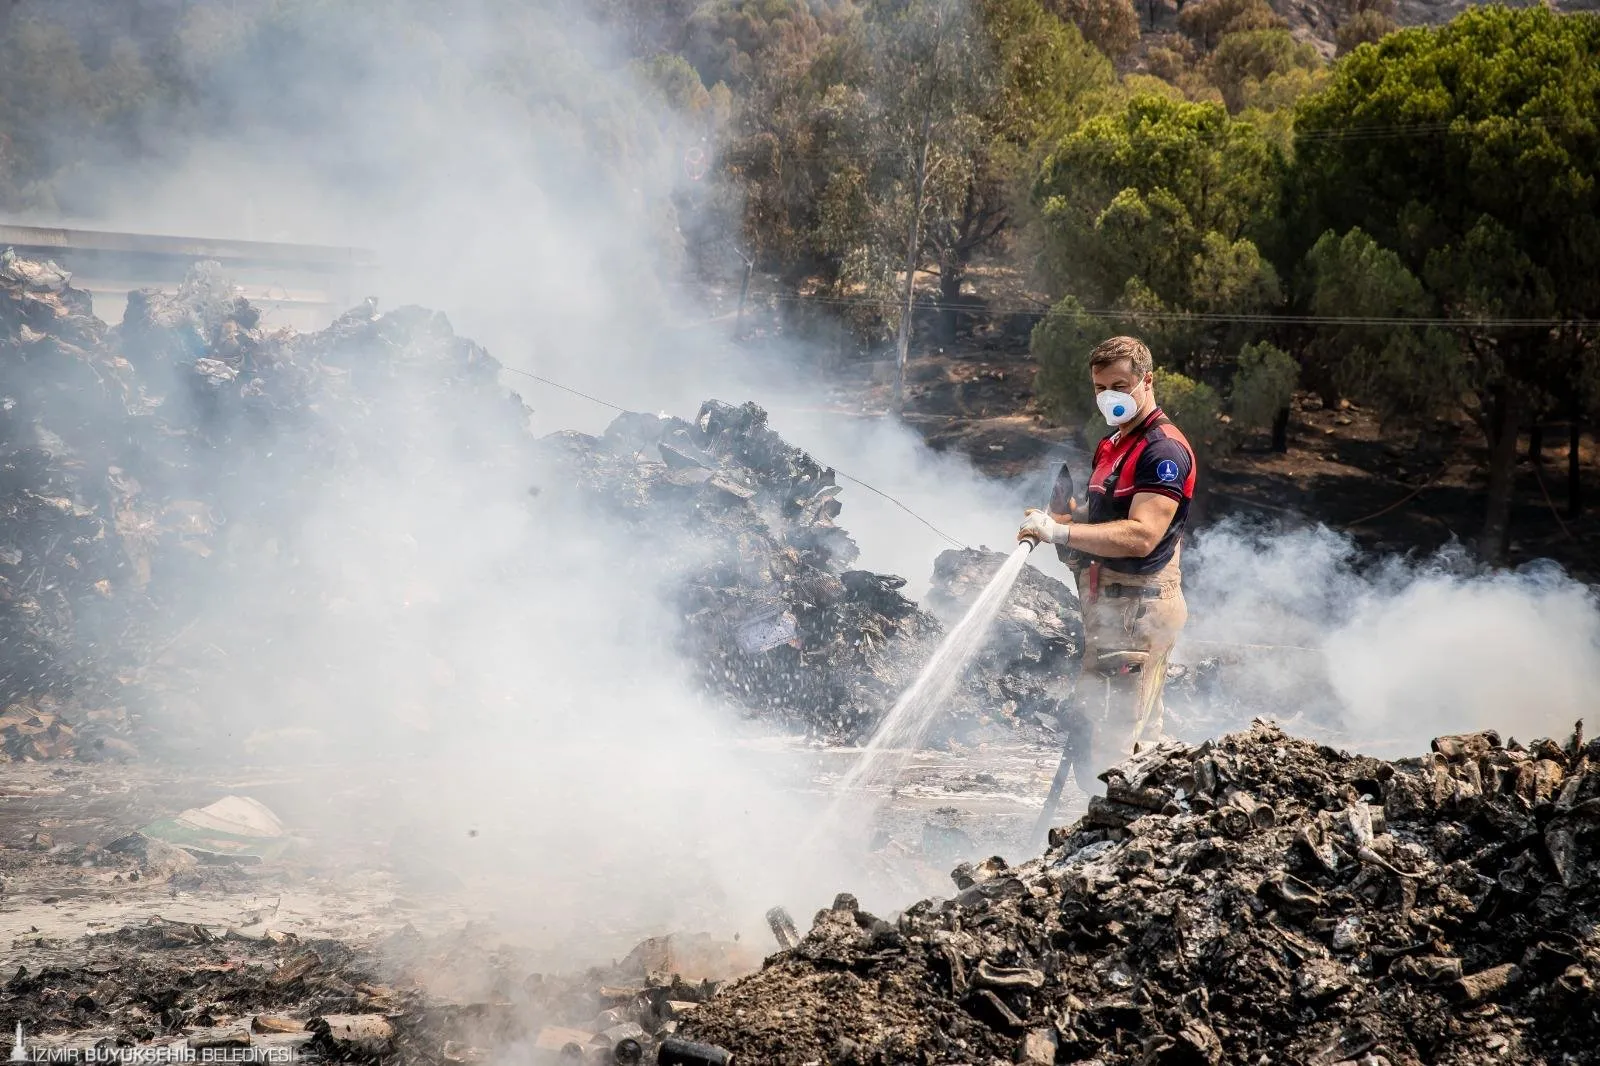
[1131,592]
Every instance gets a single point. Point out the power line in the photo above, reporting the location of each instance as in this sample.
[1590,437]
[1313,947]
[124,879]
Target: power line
[1465,126]
[902,507]
[1263,318]
[564,388]
[836,470]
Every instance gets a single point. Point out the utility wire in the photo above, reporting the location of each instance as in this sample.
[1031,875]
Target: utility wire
[1200,316]
[836,470]
[902,507]
[563,388]
[1461,125]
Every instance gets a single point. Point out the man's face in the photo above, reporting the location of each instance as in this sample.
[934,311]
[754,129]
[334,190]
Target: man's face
[1119,377]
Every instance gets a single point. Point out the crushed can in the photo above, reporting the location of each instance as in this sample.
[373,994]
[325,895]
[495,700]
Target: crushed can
[676,1052]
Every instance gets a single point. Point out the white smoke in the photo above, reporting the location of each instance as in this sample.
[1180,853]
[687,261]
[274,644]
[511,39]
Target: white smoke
[1388,653]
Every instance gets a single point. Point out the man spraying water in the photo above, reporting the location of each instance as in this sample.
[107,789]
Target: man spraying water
[1123,545]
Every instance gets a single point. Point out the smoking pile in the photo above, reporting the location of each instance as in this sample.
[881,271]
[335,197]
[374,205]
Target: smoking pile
[1258,898]
[160,474]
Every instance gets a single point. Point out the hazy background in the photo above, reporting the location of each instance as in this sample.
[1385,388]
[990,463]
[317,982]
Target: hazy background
[511,169]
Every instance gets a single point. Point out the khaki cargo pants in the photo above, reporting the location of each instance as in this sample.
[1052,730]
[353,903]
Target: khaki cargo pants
[1130,623]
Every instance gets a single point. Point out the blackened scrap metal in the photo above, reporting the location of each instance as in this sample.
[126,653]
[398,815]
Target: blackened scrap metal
[783,928]
[1257,897]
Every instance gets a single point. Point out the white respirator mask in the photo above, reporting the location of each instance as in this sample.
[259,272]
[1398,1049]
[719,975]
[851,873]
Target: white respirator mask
[1118,407]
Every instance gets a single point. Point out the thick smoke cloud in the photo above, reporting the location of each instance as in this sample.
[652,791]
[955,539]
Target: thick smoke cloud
[1383,655]
[488,665]
[430,632]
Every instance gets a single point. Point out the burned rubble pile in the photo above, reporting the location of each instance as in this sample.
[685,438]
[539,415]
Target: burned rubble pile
[216,992]
[161,468]
[1036,640]
[162,982]
[1255,899]
[773,615]
[148,466]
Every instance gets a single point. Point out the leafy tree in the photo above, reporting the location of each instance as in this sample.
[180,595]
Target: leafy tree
[1110,25]
[1156,212]
[1263,384]
[1046,80]
[1362,22]
[930,69]
[734,41]
[1364,27]
[1207,22]
[1419,371]
[1244,61]
[1472,153]
[1060,344]
[1193,406]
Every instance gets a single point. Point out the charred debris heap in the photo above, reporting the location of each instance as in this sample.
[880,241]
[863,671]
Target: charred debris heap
[151,468]
[1257,899]
[216,993]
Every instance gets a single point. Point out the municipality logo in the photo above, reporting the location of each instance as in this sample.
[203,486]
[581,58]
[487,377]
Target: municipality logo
[19,1047]
[1167,470]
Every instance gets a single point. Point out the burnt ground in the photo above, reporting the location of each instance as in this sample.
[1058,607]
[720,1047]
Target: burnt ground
[354,919]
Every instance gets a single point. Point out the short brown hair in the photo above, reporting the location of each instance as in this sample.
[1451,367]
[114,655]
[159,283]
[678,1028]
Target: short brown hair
[1113,351]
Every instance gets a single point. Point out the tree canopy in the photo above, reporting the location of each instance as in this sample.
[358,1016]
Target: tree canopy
[1468,158]
[1414,224]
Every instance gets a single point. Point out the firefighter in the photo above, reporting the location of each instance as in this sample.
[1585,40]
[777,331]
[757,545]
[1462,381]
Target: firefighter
[1123,545]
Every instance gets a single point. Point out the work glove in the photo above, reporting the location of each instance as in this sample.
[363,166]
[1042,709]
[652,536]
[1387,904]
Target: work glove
[1038,526]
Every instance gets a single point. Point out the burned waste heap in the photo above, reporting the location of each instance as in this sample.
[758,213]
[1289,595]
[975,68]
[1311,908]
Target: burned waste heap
[741,525]
[158,478]
[1257,899]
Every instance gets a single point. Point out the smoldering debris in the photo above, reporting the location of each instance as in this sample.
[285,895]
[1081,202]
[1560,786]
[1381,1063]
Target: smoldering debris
[775,620]
[1258,898]
[1036,640]
[149,469]
[186,986]
[158,471]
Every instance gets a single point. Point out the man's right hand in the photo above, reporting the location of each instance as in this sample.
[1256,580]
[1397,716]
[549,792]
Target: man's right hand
[1039,527]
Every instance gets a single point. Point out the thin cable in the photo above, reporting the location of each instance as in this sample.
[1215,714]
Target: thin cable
[902,507]
[1199,316]
[1402,501]
[564,388]
[836,470]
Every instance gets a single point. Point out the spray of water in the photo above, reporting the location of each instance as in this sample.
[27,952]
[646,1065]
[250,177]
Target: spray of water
[907,722]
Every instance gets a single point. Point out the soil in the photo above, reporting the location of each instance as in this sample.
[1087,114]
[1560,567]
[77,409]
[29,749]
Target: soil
[449,953]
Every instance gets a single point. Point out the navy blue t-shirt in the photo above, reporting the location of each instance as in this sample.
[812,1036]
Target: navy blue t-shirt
[1152,457]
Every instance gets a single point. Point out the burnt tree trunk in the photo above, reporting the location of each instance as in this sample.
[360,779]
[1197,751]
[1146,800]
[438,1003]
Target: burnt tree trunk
[1536,444]
[1280,431]
[952,273]
[1502,438]
[1574,473]
[913,256]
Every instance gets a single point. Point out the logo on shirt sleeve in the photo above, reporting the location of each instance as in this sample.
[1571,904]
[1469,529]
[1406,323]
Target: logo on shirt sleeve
[1167,470]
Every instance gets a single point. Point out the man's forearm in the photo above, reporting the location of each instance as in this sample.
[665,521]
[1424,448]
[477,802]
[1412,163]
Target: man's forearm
[1122,539]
